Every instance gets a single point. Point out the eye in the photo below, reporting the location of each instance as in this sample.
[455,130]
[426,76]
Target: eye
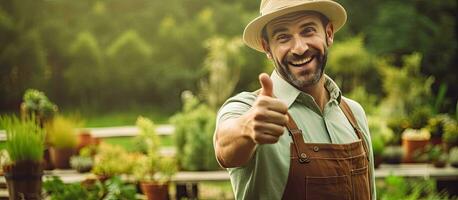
[308,30]
[282,38]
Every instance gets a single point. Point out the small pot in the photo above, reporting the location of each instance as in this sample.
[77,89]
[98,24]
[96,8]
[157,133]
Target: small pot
[410,147]
[61,157]
[84,140]
[454,164]
[23,180]
[155,191]
[439,164]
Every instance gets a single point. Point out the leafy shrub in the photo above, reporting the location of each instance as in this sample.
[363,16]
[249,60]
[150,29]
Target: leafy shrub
[112,189]
[194,128]
[152,167]
[112,160]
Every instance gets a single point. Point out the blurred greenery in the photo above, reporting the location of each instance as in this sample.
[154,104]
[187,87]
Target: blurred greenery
[110,55]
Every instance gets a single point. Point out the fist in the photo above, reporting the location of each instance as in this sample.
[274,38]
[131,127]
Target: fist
[268,116]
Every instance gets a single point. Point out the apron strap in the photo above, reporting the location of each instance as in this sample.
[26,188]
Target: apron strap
[351,118]
[298,140]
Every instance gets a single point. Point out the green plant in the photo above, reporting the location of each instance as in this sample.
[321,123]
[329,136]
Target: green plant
[24,139]
[194,127]
[419,117]
[453,156]
[62,132]
[152,167]
[113,189]
[37,103]
[451,132]
[56,189]
[81,163]
[396,187]
[432,154]
[436,125]
[107,161]
[147,139]
[397,125]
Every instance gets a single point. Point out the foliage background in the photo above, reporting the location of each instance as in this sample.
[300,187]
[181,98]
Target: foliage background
[107,55]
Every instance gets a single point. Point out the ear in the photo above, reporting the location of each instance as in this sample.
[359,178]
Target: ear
[329,34]
[265,46]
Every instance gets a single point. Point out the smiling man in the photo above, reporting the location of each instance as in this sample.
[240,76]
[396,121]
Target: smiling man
[297,137]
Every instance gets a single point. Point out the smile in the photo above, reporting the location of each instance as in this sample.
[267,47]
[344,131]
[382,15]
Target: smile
[298,63]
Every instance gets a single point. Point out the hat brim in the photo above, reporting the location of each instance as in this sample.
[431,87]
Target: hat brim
[252,35]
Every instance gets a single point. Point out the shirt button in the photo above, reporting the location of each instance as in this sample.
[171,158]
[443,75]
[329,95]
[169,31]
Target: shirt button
[316,148]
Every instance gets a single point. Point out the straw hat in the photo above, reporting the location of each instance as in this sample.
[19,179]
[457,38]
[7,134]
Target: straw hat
[271,9]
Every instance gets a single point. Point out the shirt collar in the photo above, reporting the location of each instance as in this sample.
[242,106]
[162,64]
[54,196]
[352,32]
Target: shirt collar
[288,93]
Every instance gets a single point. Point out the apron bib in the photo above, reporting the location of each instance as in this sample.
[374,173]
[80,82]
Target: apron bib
[328,171]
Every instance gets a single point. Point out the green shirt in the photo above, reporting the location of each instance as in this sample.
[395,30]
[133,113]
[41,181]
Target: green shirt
[265,175]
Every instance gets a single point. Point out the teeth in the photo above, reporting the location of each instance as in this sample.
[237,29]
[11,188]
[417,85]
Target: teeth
[302,61]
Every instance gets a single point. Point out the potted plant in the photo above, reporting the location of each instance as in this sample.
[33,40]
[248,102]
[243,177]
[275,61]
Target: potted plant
[108,159]
[392,154]
[434,154]
[37,103]
[451,134]
[414,140]
[81,164]
[436,127]
[194,127]
[153,171]
[25,147]
[62,138]
[453,157]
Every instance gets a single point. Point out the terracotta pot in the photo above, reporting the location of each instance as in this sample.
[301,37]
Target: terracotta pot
[155,191]
[23,180]
[61,157]
[410,147]
[84,140]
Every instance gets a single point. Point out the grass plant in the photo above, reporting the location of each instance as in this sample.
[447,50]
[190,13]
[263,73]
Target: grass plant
[24,139]
[62,132]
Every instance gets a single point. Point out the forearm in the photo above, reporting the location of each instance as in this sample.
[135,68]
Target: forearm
[233,146]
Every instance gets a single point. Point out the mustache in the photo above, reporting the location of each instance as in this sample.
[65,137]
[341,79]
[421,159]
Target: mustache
[290,57]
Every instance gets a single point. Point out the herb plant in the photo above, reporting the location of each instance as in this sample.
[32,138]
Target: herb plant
[24,139]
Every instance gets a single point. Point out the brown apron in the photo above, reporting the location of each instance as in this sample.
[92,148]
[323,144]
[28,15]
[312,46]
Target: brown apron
[328,171]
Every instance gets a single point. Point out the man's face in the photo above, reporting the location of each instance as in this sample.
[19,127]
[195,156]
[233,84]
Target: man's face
[298,46]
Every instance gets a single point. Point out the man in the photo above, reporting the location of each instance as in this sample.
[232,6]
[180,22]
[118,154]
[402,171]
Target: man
[297,137]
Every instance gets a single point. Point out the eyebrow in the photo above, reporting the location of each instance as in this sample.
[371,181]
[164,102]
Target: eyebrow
[281,29]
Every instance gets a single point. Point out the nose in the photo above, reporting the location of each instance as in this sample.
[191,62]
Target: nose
[300,46]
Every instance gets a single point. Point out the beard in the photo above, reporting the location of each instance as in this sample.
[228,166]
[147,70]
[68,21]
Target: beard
[283,69]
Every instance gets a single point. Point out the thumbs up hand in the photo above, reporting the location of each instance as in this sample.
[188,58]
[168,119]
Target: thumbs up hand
[267,119]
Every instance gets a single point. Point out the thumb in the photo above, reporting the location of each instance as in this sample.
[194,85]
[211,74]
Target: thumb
[266,85]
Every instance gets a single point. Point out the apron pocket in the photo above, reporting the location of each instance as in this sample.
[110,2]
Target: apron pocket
[360,183]
[327,187]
